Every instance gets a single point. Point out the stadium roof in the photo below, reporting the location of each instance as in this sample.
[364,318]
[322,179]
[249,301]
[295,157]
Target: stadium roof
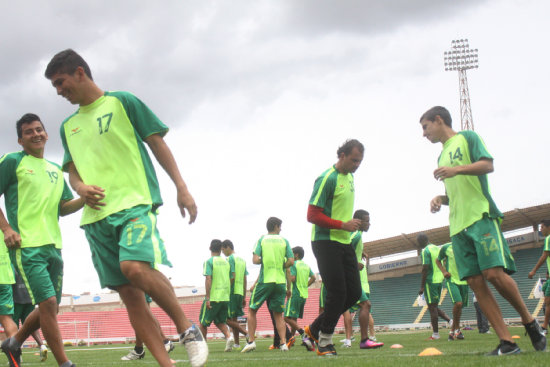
[514,219]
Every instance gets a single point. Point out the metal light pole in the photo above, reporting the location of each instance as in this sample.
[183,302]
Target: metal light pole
[462,58]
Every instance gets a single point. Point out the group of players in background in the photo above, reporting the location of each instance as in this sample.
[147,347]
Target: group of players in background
[111,171]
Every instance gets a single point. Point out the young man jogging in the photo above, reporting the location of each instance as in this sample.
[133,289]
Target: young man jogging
[481,252]
[110,168]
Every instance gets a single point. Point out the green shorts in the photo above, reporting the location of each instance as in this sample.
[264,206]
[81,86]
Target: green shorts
[273,293]
[129,235]
[546,288]
[458,293]
[364,297]
[21,311]
[236,305]
[295,307]
[480,247]
[217,313]
[41,269]
[322,296]
[432,292]
[6,299]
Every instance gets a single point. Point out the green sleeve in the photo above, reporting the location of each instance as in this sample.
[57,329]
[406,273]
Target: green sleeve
[142,118]
[208,267]
[8,165]
[289,254]
[67,154]
[293,271]
[443,252]
[258,249]
[477,147]
[426,258]
[547,243]
[323,190]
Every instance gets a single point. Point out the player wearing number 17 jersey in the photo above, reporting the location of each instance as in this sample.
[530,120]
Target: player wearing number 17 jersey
[110,168]
[480,249]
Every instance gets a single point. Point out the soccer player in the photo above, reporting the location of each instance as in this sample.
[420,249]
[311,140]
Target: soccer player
[22,308]
[215,307]
[35,195]
[330,211]
[545,229]
[139,352]
[481,252]
[237,300]
[364,304]
[301,277]
[458,289]
[274,254]
[431,283]
[110,168]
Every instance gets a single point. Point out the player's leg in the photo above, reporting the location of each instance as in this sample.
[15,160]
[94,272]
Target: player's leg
[281,326]
[457,313]
[372,335]
[364,311]
[348,328]
[432,308]
[546,313]
[50,328]
[143,322]
[508,289]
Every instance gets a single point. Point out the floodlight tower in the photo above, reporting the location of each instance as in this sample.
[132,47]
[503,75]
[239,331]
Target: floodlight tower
[462,58]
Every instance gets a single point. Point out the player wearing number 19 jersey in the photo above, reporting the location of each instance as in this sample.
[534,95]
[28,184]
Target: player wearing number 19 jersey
[474,221]
[110,168]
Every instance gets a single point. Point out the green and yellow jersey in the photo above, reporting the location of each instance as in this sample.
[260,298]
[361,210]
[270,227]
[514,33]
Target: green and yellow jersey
[469,196]
[33,189]
[274,251]
[429,255]
[239,265]
[104,140]
[357,243]
[335,193]
[302,272]
[447,256]
[547,248]
[220,271]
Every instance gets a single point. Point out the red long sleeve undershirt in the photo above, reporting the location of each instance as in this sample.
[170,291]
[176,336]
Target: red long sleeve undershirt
[316,216]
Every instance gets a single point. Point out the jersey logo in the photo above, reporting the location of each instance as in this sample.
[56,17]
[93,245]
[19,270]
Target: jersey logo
[29,172]
[75,131]
[134,220]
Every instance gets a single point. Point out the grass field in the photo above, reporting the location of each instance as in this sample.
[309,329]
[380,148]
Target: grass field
[469,352]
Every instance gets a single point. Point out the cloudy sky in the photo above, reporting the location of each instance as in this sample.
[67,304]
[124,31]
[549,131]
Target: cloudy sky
[259,94]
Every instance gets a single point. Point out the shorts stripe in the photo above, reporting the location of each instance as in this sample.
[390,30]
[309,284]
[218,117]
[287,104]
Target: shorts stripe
[450,293]
[427,290]
[155,240]
[203,313]
[501,246]
[23,274]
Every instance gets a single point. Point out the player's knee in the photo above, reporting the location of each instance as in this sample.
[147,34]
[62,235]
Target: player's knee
[459,304]
[133,270]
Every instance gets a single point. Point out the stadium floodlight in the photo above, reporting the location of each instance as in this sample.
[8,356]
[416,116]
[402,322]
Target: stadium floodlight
[461,58]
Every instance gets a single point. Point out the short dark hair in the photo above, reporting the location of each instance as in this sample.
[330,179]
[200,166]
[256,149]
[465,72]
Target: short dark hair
[66,62]
[546,222]
[273,222]
[438,110]
[348,146]
[228,243]
[26,119]
[216,246]
[422,240]
[298,250]
[360,213]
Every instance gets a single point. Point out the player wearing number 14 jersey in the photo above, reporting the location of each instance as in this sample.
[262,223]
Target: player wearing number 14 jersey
[110,168]
[480,250]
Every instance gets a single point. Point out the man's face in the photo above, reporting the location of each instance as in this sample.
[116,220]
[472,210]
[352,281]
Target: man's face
[545,230]
[365,223]
[349,163]
[33,137]
[431,130]
[66,86]
[226,251]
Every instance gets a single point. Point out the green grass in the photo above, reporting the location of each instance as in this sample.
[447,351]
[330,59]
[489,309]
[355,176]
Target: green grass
[469,352]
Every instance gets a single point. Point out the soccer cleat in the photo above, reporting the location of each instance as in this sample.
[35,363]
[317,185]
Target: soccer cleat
[308,343]
[133,355]
[369,344]
[249,347]
[459,335]
[327,351]
[14,355]
[346,343]
[196,347]
[504,348]
[544,330]
[43,352]
[273,346]
[284,348]
[435,336]
[169,346]
[451,336]
[450,324]
[538,339]
[291,342]
[229,344]
[310,335]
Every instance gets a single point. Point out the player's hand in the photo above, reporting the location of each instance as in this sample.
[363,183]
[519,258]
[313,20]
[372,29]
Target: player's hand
[435,204]
[208,305]
[447,274]
[288,293]
[186,201]
[360,266]
[12,239]
[421,291]
[444,172]
[531,275]
[352,225]
[92,195]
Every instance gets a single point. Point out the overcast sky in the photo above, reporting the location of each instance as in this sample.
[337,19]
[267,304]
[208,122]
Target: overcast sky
[259,94]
